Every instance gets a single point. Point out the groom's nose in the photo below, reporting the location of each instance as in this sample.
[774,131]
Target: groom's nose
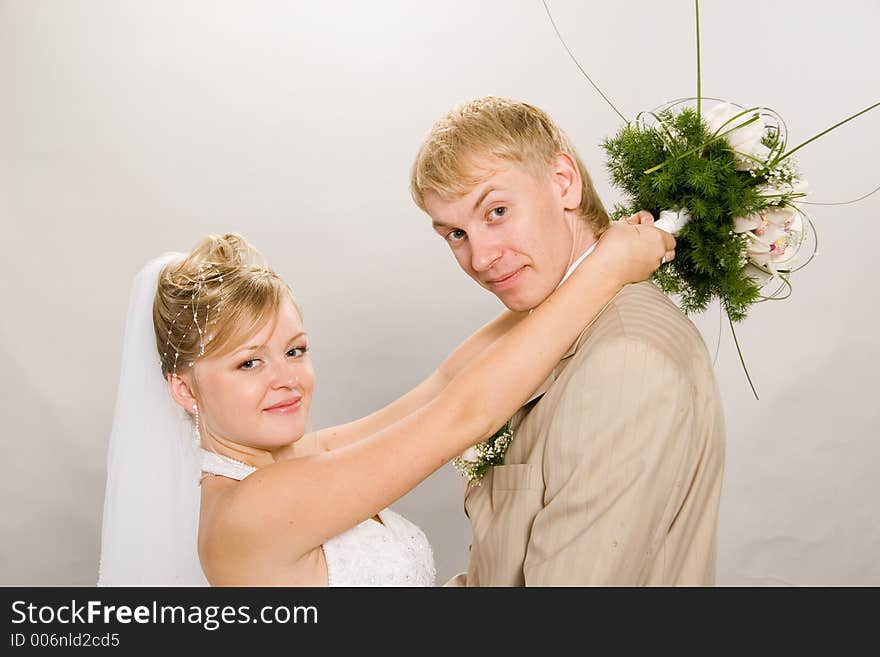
[485,252]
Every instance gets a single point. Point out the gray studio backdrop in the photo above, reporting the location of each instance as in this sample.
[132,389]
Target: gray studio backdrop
[128,128]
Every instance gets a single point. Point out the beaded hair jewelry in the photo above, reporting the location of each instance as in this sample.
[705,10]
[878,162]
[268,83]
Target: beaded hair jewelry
[204,336]
[206,275]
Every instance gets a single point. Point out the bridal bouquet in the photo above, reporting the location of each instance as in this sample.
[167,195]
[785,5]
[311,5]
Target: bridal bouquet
[726,185]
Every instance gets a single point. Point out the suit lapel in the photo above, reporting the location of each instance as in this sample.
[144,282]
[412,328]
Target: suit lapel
[481,504]
[550,380]
[535,397]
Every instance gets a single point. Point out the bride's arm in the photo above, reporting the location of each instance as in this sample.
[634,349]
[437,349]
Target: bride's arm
[291,507]
[344,434]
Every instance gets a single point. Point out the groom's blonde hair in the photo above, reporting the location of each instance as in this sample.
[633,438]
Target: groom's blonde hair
[501,128]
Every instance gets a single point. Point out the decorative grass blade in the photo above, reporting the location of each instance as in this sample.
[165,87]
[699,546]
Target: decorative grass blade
[741,359]
[699,87]
[825,132]
[576,63]
[855,200]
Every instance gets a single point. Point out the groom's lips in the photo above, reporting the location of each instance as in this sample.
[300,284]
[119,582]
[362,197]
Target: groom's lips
[506,281]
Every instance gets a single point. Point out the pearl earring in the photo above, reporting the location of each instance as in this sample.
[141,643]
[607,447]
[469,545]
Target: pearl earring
[198,439]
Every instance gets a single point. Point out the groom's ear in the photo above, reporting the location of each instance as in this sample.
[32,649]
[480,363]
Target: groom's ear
[566,178]
[181,392]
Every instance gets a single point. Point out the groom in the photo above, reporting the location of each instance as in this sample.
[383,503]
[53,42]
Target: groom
[614,473]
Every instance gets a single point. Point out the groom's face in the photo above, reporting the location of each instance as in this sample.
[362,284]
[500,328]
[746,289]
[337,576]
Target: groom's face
[509,232]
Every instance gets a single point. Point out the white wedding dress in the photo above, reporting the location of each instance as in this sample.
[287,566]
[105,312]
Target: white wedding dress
[394,552]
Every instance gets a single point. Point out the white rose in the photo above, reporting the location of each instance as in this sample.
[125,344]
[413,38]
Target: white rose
[470,454]
[745,140]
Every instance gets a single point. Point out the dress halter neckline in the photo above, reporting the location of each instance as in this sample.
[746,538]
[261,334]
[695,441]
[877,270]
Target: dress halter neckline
[219,464]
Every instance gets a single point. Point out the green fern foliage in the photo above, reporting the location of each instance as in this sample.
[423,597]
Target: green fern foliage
[675,164]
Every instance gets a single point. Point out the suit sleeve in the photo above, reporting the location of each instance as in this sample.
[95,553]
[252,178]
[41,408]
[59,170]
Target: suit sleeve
[619,447]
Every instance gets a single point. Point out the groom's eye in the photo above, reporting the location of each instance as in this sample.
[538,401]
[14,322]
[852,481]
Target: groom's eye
[248,364]
[497,213]
[456,235]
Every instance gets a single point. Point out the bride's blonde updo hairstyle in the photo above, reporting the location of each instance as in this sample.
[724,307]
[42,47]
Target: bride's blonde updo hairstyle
[211,301]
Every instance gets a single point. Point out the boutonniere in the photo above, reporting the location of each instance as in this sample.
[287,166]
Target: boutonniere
[477,460]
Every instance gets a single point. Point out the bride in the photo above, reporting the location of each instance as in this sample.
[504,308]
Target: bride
[215,389]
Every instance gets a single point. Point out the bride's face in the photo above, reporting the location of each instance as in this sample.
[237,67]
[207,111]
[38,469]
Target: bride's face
[259,395]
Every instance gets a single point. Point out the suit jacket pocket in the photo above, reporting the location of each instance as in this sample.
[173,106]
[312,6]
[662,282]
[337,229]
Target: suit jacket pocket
[518,476]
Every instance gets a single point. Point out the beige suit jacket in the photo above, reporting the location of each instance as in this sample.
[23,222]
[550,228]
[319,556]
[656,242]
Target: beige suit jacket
[614,474]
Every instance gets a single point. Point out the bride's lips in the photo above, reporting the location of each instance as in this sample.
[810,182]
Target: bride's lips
[286,407]
[507,281]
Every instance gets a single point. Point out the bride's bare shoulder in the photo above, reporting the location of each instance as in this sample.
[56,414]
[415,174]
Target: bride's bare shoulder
[215,520]
[234,550]
[231,553]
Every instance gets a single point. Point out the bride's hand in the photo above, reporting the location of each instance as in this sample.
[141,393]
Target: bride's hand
[632,249]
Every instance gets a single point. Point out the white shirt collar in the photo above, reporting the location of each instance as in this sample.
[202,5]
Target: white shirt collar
[577,262]
[574,265]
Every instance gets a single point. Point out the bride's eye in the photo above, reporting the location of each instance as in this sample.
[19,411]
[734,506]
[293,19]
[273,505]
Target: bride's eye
[497,213]
[297,352]
[248,364]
